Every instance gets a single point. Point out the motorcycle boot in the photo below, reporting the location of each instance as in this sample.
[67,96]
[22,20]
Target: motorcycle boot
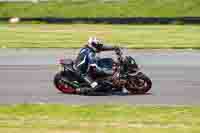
[95,86]
[92,88]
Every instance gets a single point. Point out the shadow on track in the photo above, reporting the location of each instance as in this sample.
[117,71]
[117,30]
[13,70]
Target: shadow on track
[107,94]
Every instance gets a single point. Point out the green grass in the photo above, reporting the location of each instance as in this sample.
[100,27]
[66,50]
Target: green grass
[76,35]
[98,118]
[102,8]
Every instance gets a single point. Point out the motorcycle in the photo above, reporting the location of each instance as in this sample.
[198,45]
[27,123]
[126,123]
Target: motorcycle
[125,74]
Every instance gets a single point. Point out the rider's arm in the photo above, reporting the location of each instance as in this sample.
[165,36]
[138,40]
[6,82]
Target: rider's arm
[92,62]
[107,48]
[91,58]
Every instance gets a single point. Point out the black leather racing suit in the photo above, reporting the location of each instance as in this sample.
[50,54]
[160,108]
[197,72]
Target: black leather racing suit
[87,59]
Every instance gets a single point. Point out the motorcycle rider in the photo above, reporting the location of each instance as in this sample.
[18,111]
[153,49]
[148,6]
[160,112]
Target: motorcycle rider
[86,61]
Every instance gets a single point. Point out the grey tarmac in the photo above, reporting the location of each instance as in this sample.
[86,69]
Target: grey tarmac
[26,76]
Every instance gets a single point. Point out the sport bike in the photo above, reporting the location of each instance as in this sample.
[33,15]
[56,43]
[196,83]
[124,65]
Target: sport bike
[124,74]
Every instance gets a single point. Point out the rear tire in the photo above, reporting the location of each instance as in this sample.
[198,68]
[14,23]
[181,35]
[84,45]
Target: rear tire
[139,84]
[61,86]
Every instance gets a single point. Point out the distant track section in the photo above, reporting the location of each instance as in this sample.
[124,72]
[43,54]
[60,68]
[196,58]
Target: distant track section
[115,20]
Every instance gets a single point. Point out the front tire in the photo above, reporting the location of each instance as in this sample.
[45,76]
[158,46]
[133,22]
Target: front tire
[61,86]
[139,84]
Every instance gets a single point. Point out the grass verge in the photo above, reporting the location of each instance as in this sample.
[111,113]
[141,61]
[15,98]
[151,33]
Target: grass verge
[101,8]
[98,118]
[76,35]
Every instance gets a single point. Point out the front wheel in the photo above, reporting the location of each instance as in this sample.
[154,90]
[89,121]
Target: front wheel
[61,85]
[139,84]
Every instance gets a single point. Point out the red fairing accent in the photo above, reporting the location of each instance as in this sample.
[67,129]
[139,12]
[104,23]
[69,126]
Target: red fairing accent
[61,61]
[65,89]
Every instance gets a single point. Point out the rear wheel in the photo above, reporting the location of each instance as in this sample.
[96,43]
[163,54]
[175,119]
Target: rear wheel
[61,85]
[139,84]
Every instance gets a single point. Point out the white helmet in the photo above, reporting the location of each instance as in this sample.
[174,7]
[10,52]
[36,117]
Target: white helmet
[94,43]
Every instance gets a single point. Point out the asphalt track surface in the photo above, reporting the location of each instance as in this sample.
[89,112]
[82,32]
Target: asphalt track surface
[26,77]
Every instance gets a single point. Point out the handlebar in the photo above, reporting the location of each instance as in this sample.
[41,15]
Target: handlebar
[118,51]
